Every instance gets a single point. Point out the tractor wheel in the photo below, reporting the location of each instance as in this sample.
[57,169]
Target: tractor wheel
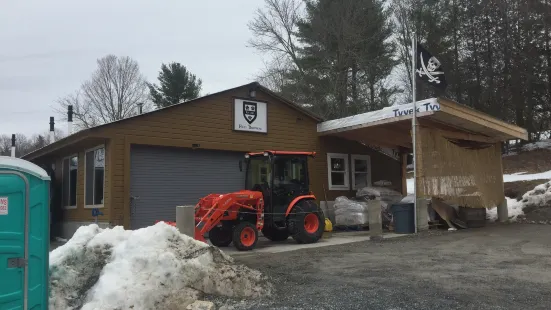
[306,222]
[274,234]
[220,236]
[245,236]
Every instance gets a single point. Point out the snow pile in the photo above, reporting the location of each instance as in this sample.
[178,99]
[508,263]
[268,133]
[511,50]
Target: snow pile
[522,176]
[514,210]
[150,268]
[544,144]
[540,196]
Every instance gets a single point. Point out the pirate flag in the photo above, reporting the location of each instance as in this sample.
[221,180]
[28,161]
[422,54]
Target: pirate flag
[429,69]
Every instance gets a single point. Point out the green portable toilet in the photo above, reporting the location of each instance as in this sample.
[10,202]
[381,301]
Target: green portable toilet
[24,234]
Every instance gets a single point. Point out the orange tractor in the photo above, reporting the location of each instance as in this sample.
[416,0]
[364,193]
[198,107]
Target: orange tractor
[277,201]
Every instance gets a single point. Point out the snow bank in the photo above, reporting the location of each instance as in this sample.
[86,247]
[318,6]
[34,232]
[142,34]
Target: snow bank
[150,268]
[544,144]
[538,197]
[522,176]
[515,209]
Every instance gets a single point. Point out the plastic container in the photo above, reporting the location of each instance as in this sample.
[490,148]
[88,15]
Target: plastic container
[403,216]
[24,234]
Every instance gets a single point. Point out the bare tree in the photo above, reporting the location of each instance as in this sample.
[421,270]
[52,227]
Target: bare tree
[274,28]
[114,92]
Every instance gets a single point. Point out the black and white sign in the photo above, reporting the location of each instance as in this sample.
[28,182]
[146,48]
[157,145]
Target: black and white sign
[429,69]
[250,116]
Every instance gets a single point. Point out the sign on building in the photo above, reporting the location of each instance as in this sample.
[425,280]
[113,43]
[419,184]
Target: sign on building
[250,116]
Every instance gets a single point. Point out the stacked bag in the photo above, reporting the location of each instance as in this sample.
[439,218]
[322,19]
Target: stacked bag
[353,212]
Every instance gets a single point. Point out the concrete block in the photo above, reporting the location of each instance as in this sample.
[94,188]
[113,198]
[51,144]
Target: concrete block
[502,212]
[185,220]
[375,219]
[422,214]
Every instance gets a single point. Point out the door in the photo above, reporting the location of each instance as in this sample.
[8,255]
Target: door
[12,240]
[162,178]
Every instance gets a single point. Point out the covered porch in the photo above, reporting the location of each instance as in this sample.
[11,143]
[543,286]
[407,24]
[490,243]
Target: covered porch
[458,150]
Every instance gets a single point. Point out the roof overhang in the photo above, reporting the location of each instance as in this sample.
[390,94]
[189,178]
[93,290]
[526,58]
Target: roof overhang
[391,126]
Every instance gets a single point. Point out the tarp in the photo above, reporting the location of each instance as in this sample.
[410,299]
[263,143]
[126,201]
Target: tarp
[460,172]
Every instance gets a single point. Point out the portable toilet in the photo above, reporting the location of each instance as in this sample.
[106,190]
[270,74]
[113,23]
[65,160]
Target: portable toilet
[24,234]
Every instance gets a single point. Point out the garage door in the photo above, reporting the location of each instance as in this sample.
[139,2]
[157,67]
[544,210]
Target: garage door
[163,178]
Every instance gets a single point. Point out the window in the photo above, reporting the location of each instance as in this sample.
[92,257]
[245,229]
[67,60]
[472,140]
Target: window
[258,172]
[69,190]
[94,177]
[337,169]
[361,171]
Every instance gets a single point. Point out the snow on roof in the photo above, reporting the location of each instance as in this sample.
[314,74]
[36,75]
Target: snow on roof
[22,165]
[427,105]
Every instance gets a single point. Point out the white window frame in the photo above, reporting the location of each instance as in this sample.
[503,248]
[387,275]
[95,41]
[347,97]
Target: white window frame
[63,179]
[360,157]
[99,206]
[346,172]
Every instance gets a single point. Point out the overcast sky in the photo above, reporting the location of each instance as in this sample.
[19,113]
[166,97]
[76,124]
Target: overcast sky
[48,48]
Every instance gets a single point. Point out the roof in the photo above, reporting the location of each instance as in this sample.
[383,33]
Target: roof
[254,85]
[391,126]
[21,165]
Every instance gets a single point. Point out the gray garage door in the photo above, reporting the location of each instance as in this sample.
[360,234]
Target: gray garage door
[163,178]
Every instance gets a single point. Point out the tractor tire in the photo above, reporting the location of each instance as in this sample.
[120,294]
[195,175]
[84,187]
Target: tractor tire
[306,222]
[220,236]
[245,236]
[273,234]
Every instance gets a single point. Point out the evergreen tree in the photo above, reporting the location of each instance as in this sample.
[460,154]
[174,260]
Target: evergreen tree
[177,85]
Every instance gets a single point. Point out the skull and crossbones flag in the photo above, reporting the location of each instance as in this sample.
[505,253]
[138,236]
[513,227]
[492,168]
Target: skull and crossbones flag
[429,69]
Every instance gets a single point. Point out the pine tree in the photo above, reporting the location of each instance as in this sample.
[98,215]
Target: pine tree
[177,85]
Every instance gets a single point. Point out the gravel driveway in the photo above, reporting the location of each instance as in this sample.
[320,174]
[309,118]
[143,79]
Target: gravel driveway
[496,267]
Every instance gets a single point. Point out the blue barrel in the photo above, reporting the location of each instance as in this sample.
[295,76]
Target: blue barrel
[24,234]
[403,217]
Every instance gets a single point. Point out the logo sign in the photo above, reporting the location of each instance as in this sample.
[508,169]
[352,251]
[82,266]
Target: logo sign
[250,116]
[249,111]
[3,205]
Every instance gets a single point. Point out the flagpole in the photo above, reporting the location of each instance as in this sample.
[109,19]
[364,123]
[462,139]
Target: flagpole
[413,127]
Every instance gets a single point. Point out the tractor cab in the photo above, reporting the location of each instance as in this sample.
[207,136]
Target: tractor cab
[282,177]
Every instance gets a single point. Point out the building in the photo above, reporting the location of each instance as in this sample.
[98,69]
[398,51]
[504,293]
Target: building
[135,171]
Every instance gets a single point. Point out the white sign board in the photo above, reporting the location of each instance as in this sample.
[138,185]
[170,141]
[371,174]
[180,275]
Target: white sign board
[250,115]
[3,205]
[405,110]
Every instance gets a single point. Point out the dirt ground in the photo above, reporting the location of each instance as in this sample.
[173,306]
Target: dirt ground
[501,266]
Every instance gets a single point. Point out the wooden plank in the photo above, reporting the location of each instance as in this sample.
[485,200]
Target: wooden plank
[471,115]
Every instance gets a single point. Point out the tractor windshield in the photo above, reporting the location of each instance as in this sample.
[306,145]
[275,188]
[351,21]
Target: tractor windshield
[259,173]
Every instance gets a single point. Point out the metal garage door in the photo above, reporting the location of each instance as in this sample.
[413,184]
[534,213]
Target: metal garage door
[163,178]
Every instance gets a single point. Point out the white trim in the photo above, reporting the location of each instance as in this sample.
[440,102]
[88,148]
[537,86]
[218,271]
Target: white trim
[353,165]
[63,178]
[93,185]
[346,172]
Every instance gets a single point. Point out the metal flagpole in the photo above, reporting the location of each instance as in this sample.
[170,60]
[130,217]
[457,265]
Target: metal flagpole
[413,127]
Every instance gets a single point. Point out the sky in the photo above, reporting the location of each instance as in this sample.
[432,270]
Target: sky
[48,48]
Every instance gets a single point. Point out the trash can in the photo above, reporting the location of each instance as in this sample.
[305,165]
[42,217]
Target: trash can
[24,234]
[403,217]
